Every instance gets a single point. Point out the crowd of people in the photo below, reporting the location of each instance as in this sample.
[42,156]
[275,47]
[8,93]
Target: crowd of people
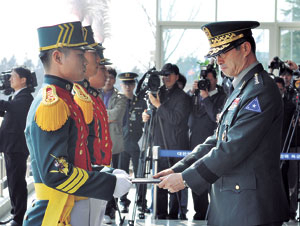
[82,133]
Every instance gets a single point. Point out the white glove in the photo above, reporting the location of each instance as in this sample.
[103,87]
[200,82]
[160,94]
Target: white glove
[123,184]
[119,171]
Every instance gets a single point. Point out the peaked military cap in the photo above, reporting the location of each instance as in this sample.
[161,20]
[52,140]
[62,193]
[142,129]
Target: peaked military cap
[88,36]
[61,35]
[103,60]
[128,77]
[226,35]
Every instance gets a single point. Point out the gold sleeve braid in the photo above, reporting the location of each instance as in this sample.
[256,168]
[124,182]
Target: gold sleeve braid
[74,182]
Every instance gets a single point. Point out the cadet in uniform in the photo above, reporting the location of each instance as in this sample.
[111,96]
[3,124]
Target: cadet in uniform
[56,134]
[99,142]
[132,129]
[241,160]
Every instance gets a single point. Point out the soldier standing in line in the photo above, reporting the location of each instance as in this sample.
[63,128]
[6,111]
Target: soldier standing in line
[56,134]
[99,142]
[132,130]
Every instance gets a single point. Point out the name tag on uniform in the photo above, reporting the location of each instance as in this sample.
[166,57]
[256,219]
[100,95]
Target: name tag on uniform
[132,116]
[234,104]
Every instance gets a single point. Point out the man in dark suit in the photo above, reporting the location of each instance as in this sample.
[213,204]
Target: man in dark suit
[241,160]
[170,131]
[12,140]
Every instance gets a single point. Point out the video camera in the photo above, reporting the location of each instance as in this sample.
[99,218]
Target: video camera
[149,82]
[5,82]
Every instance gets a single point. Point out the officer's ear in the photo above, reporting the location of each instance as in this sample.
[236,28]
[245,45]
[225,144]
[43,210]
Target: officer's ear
[57,56]
[246,47]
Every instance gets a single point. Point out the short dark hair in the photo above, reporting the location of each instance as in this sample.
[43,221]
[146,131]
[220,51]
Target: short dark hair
[285,71]
[279,80]
[112,71]
[182,79]
[213,71]
[24,72]
[250,40]
[45,56]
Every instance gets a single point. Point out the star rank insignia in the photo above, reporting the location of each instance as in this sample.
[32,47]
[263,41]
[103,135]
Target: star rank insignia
[254,106]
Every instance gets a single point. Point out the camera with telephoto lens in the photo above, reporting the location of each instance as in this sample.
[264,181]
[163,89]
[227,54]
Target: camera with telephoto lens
[276,63]
[204,83]
[5,82]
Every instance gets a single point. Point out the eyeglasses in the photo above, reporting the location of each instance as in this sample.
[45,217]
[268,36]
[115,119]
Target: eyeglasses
[223,54]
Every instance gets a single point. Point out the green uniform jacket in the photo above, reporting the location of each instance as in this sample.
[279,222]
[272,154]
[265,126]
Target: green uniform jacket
[66,143]
[241,161]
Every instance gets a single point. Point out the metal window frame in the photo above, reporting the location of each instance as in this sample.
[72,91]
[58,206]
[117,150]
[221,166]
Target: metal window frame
[273,27]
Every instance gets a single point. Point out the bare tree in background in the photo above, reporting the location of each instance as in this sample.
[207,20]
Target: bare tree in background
[168,35]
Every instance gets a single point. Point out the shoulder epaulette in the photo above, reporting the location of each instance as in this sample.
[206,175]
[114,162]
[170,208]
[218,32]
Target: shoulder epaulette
[52,112]
[84,101]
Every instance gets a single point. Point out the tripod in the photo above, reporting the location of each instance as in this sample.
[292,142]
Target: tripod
[292,130]
[146,159]
[144,167]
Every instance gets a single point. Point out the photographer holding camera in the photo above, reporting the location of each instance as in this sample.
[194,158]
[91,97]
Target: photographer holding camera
[289,169]
[12,139]
[207,101]
[170,130]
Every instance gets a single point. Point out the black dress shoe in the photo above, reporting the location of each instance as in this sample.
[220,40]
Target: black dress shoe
[173,217]
[182,216]
[14,223]
[125,202]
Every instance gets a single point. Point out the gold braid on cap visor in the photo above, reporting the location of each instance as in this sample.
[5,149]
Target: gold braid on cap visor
[221,39]
[220,42]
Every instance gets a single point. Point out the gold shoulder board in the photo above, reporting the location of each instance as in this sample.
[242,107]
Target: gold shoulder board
[84,101]
[52,112]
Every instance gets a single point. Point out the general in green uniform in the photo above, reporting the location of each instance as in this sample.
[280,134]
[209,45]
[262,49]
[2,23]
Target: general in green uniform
[241,160]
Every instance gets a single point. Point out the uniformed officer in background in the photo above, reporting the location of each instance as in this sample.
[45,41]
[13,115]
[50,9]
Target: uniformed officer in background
[132,129]
[56,134]
[241,161]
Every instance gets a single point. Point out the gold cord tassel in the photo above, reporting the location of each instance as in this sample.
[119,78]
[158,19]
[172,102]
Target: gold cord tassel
[85,102]
[52,112]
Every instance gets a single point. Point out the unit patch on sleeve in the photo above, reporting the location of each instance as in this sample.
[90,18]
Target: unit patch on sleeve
[253,106]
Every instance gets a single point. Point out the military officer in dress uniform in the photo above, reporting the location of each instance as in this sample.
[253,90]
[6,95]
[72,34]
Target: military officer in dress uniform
[99,142]
[241,160]
[56,134]
[132,129]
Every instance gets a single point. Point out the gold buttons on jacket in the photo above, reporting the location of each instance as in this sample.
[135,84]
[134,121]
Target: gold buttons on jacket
[80,152]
